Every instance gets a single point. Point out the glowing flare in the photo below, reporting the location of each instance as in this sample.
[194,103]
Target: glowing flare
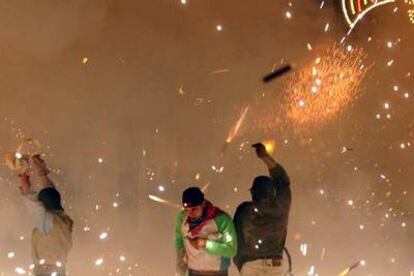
[236,128]
[270,146]
[164,201]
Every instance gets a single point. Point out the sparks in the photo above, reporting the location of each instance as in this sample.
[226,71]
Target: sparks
[324,88]
[236,128]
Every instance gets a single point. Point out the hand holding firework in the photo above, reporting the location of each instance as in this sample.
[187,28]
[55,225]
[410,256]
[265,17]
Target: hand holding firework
[20,159]
[17,162]
[39,165]
[260,150]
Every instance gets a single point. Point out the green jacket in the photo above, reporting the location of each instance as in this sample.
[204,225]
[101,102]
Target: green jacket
[220,248]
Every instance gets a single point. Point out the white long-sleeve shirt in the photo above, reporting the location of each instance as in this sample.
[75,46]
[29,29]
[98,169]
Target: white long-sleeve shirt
[42,219]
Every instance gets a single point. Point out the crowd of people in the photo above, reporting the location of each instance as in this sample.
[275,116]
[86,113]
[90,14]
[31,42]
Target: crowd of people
[207,239]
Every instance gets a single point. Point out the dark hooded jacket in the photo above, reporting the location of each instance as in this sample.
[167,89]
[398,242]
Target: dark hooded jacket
[261,225]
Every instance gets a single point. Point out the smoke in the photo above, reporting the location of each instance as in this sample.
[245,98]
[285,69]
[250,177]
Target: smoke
[115,129]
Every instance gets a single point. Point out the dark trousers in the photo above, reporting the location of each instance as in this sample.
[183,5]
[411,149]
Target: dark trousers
[199,273]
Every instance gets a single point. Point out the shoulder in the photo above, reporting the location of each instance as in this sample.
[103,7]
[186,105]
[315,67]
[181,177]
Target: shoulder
[223,216]
[181,216]
[245,206]
[223,221]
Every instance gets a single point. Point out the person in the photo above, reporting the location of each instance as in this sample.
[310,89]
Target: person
[205,238]
[52,234]
[261,224]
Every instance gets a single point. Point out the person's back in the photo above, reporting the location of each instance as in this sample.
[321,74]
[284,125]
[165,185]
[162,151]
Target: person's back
[51,250]
[261,224]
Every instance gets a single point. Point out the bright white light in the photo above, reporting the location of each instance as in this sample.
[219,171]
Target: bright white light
[161,188]
[10,255]
[288,14]
[103,235]
[98,262]
[219,28]
[20,270]
[18,155]
[304,249]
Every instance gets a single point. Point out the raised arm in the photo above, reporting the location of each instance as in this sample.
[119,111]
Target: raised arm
[42,220]
[278,175]
[41,172]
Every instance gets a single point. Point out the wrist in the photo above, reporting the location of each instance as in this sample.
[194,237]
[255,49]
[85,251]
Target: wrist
[266,157]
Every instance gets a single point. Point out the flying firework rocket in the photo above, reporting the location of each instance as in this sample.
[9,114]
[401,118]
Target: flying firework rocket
[325,87]
[352,267]
[278,73]
[236,128]
[205,188]
[164,201]
[172,204]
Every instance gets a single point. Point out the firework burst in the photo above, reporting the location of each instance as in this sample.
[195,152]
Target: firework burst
[324,88]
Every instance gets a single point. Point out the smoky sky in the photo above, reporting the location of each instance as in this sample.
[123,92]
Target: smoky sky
[123,106]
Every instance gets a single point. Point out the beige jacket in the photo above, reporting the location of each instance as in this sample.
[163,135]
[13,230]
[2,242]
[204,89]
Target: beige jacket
[50,251]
